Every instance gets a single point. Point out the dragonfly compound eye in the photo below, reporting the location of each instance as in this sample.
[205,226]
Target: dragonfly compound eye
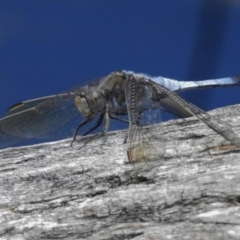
[82,105]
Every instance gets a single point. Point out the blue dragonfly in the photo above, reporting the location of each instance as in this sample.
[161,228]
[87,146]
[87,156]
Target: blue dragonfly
[125,96]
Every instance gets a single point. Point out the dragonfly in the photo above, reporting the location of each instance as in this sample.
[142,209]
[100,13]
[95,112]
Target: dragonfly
[134,98]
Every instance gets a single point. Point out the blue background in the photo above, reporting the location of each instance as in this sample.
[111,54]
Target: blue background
[49,46]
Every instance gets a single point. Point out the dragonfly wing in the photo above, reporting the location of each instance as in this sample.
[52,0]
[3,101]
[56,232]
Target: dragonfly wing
[174,107]
[7,140]
[19,107]
[142,111]
[218,126]
[38,117]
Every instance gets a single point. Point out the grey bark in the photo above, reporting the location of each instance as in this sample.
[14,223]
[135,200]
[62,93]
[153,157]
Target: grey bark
[53,191]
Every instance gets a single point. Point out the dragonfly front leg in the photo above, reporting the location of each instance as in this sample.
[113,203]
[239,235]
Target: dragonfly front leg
[79,126]
[106,125]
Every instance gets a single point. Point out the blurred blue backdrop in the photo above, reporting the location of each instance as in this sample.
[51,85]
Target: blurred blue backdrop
[49,46]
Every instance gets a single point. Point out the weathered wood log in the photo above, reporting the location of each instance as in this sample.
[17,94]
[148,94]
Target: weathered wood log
[53,191]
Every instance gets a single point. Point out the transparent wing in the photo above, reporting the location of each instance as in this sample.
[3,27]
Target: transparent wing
[144,143]
[39,119]
[7,140]
[19,107]
[218,126]
[45,117]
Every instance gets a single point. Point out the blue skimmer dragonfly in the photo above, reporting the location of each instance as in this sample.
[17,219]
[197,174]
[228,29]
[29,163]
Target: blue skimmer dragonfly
[122,93]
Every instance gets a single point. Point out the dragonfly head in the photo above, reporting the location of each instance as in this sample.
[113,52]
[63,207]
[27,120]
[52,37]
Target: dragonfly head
[89,102]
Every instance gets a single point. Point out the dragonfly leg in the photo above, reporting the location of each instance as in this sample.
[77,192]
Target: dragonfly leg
[99,123]
[106,126]
[77,129]
[118,118]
